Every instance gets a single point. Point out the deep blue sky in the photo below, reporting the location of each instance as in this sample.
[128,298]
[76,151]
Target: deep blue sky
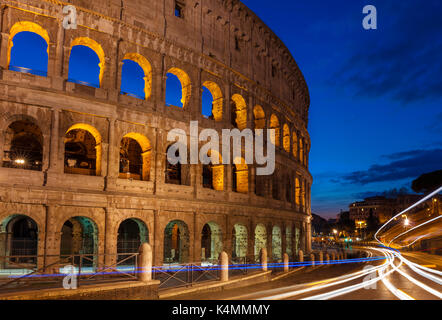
[376,96]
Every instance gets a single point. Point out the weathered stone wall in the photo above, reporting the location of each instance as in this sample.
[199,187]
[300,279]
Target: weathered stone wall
[203,44]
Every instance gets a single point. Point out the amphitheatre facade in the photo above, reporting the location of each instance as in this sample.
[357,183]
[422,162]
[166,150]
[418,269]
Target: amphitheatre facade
[83,167]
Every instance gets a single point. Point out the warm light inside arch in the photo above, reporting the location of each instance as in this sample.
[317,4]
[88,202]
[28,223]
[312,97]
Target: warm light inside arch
[240,110]
[286,137]
[274,124]
[242,175]
[146,154]
[260,117]
[98,147]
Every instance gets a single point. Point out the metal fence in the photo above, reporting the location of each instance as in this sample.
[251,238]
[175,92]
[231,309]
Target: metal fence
[16,273]
[185,275]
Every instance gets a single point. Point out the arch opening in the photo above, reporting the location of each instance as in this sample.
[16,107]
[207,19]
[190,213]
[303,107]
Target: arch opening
[238,112]
[212,101]
[260,240]
[28,48]
[79,242]
[274,124]
[240,176]
[288,241]
[176,242]
[286,137]
[211,243]
[86,62]
[19,242]
[178,88]
[213,173]
[136,76]
[178,173]
[239,242]
[135,157]
[277,244]
[132,233]
[260,117]
[295,145]
[23,146]
[82,150]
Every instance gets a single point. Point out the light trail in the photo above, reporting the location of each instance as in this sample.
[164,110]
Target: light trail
[406,210]
[418,226]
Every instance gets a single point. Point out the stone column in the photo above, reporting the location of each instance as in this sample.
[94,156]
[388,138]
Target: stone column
[286,262]
[56,154]
[312,259]
[321,257]
[145,263]
[263,259]
[301,256]
[52,243]
[224,266]
[327,258]
[4,50]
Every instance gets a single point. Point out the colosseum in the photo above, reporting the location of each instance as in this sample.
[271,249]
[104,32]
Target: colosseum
[84,166]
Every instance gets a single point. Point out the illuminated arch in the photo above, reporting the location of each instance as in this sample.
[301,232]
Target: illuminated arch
[186,87]
[297,192]
[260,240]
[240,110]
[301,150]
[286,137]
[241,175]
[98,146]
[295,144]
[260,117]
[217,170]
[147,68]
[217,104]
[277,243]
[26,26]
[146,152]
[96,47]
[274,124]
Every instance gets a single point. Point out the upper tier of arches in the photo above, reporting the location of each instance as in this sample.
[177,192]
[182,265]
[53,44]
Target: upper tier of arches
[240,112]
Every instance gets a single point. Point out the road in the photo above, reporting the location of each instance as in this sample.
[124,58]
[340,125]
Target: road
[393,278]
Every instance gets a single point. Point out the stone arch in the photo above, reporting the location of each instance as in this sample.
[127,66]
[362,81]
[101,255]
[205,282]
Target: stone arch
[23,144]
[213,173]
[132,233]
[218,100]
[147,69]
[135,148]
[297,239]
[94,46]
[79,236]
[240,238]
[260,117]
[177,173]
[29,26]
[71,136]
[274,124]
[240,176]
[176,242]
[19,236]
[277,244]
[295,144]
[286,137]
[260,239]
[239,112]
[211,242]
[297,192]
[301,150]
[186,86]
[289,241]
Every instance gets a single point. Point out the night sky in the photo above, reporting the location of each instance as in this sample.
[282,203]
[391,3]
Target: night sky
[375,115]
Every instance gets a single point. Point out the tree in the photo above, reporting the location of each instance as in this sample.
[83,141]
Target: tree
[427,182]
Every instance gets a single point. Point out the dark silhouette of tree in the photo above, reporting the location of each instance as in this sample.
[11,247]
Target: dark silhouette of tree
[427,182]
[372,222]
